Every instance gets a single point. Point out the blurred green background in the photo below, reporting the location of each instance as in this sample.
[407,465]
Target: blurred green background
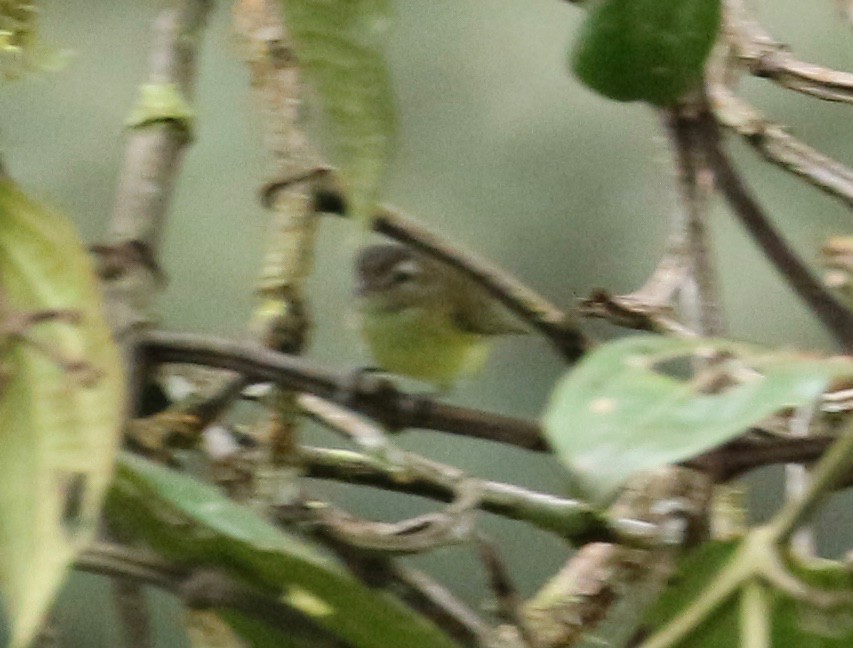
[499,149]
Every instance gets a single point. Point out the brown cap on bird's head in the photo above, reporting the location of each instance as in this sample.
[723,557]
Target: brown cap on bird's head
[381,266]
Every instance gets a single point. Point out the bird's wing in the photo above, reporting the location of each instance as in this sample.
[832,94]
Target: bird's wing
[479,312]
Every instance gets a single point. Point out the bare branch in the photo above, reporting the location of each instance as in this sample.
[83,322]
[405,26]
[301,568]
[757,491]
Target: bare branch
[151,166]
[371,395]
[778,146]
[833,314]
[380,400]
[765,57]
[700,296]
[571,519]
[155,148]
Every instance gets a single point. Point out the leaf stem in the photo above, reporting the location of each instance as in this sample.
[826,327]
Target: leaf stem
[834,464]
[754,616]
[712,597]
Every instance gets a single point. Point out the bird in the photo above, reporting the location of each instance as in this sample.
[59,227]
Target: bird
[423,318]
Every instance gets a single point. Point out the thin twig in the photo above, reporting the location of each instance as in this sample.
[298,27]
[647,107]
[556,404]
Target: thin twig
[571,519]
[700,293]
[833,314]
[436,602]
[506,594]
[831,468]
[767,58]
[797,482]
[777,145]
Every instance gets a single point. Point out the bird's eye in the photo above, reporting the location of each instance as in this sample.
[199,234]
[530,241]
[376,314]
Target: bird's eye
[404,272]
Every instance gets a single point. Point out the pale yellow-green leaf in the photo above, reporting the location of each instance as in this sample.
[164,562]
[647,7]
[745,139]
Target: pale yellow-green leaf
[61,405]
[339,48]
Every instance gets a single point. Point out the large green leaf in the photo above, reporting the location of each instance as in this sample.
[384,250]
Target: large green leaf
[649,50]
[790,623]
[191,522]
[618,413]
[339,46]
[61,405]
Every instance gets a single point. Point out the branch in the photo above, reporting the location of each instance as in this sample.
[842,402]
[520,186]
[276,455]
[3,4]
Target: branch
[370,395]
[145,188]
[637,311]
[155,148]
[765,57]
[831,468]
[777,145]
[607,580]
[557,326]
[572,520]
[833,314]
[379,399]
[700,293]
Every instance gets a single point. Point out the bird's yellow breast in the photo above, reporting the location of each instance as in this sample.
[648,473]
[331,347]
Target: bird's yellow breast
[423,343]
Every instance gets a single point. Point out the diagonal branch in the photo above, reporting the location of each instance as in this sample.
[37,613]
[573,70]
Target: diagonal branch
[767,58]
[833,314]
[778,146]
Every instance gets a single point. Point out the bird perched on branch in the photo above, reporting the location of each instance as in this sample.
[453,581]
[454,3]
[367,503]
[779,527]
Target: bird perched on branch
[423,318]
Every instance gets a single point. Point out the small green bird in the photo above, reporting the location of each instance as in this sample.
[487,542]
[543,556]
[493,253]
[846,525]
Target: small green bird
[424,319]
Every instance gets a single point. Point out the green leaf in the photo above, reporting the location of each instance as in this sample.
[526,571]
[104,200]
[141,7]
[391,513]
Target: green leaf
[618,413]
[695,572]
[206,629]
[792,623]
[648,50]
[258,634]
[61,405]
[339,45]
[191,522]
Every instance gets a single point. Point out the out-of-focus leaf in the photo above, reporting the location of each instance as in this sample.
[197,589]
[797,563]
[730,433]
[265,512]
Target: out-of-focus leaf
[61,404]
[191,522]
[695,572]
[339,46]
[617,413]
[649,50]
[20,49]
[258,634]
[793,624]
